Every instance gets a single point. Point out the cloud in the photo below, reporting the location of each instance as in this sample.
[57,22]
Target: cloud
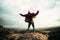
[54,3]
[10,9]
[58,20]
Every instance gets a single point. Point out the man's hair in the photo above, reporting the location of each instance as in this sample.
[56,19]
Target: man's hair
[28,12]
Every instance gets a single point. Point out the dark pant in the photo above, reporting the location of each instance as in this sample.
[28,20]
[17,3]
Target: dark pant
[29,24]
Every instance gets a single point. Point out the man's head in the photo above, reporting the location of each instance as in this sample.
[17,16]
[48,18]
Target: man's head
[28,12]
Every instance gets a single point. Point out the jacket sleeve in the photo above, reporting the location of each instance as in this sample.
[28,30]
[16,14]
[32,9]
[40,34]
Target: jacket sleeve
[22,15]
[37,12]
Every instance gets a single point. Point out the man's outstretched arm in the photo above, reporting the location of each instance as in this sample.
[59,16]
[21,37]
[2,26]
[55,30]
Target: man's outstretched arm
[37,12]
[22,15]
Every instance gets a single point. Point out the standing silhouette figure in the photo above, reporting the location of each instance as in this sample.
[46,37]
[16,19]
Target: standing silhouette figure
[29,19]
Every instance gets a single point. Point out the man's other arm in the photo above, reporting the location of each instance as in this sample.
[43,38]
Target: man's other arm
[22,15]
[37,12]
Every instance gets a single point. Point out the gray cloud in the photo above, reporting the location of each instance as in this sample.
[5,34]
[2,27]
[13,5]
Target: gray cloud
[58,20]
[54,3]
[7,17]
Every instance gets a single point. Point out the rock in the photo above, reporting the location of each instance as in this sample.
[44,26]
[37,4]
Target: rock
[6,34]
[28,36]
[54,35]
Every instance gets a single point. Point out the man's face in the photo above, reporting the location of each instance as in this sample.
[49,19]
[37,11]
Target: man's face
[28,12]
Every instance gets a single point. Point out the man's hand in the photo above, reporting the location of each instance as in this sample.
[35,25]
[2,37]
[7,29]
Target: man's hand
[20,14]
[38,11]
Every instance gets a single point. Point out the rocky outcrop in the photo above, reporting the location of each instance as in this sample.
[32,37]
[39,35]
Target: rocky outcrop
[54,35]
[6,34]
[27,36]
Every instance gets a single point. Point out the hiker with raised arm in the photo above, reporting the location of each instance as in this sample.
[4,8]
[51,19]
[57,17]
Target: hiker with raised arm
[29,19]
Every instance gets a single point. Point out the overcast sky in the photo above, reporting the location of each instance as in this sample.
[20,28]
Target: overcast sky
[49,13]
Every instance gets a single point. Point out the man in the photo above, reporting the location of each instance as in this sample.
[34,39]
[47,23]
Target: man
[29,19]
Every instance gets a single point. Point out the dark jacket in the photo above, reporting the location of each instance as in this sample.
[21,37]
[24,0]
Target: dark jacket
[29,17]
